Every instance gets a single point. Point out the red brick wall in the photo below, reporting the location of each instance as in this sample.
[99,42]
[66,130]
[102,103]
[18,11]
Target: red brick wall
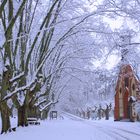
[116,109]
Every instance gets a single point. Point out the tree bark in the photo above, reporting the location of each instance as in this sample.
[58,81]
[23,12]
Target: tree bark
[5,110]
[5,116]
[22,116]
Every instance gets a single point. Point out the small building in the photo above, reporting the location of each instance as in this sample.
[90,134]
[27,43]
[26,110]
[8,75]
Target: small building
[127,93]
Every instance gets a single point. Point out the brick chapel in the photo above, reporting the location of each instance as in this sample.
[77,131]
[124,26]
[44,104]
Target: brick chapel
[127,93]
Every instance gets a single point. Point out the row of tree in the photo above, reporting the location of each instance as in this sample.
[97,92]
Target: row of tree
[28,50]
[98,112]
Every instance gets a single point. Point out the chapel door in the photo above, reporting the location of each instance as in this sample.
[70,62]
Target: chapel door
[125,104]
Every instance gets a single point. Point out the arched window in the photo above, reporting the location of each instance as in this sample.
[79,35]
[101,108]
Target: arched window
[120,102]
[120,90]
[126,82]
[133,86]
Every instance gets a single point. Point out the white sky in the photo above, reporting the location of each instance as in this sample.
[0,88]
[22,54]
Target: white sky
[114,24]
[111,62]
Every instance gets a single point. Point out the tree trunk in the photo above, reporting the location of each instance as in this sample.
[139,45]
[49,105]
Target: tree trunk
[22,116]
[5,116]
[44,114]
[107,114]
[5,110]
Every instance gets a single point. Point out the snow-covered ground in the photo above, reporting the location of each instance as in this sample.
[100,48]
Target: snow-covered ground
[74,128]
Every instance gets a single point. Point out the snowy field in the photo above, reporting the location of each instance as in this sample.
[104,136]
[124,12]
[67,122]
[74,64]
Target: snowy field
[74,128]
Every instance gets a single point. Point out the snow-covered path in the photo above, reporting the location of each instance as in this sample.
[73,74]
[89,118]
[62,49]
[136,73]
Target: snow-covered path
[74,128]
[112,130]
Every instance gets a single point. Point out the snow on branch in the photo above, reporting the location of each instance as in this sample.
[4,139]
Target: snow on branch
[42,101]
[28,86]
[47,105]
[17,77]
[23,88]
